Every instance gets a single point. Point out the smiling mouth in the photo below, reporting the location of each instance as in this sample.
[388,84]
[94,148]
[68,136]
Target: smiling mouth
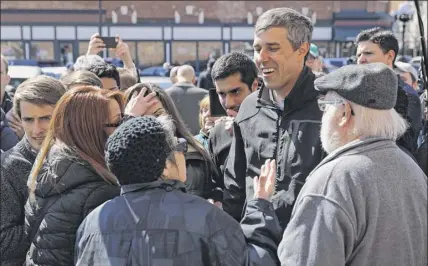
[267,71]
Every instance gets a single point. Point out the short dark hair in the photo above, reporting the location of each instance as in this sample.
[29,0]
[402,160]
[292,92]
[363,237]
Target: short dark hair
[384,38]
[233,63]
[105,71]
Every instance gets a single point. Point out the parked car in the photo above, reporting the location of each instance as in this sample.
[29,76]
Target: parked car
[154,71]
[162,82]
[19,74]
[337,62]
[54,72]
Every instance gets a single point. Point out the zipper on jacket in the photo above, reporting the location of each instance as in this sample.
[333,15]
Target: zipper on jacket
[278,140]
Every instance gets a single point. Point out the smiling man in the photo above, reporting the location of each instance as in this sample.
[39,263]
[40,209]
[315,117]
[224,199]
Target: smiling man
[34,103]
[281,120]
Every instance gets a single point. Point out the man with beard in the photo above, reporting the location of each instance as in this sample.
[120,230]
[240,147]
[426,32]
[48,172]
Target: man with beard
[235,77]
[33,103]
[281,121]
[366,202]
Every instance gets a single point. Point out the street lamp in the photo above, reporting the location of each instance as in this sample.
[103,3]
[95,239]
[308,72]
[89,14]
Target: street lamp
[404,14]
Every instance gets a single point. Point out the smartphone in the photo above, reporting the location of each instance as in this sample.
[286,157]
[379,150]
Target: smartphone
[110,42]
[216,108]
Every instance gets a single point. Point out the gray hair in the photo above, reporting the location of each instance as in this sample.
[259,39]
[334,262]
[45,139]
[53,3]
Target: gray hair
[84,62]
[299,27]
[373,122]
[169,129]
[81,77]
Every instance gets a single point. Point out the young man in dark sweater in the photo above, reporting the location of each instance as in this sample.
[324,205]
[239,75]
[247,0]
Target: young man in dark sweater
[235,77]
[34,103]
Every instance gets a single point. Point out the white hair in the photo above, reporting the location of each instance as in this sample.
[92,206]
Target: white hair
[169,129]
[84,62]
[373,122]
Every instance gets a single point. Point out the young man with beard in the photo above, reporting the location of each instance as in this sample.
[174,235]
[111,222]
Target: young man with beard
[281,121]
[235,77]
[366,202]
[34,103]
[380,46]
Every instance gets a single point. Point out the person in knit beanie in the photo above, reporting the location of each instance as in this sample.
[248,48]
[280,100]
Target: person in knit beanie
[154,221]
[137,151]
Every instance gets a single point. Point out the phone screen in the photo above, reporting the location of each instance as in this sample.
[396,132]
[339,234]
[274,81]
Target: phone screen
[216,108]
[110,42]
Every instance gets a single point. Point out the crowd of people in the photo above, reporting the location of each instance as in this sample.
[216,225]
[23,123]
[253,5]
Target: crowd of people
[304,168]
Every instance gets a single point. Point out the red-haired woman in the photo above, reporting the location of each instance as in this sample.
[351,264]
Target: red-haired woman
[70,178]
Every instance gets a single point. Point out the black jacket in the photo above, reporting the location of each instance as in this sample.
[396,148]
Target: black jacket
[219,143]
[263,131]
[199,174]
[16,166]
[158,224]
[205,80]
[8,136]
[408,105]
[7,103]
[75,189]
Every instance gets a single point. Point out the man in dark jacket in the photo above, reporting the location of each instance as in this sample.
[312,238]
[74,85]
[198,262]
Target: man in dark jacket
[235,77]
[8,136]
[281,121]
[5,100]
[34,102]
[187,96]
[380,46]
[154,222]
[205,80]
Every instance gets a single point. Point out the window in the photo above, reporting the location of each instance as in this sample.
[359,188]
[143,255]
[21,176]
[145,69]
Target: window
[42,51]
[242,47]
[150,54]
[184,53]
[83,47]
[12,50]
[204,51]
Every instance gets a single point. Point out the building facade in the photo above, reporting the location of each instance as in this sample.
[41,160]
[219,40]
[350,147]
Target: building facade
[173,31]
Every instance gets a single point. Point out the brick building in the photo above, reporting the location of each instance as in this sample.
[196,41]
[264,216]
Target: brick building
[175,31]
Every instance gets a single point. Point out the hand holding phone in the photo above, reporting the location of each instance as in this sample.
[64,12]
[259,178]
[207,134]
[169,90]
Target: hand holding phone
[216,108]
[109,42]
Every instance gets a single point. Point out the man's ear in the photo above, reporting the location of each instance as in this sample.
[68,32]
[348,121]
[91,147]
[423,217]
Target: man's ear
[390,56]
[346,118]
[303,50]
[255,84]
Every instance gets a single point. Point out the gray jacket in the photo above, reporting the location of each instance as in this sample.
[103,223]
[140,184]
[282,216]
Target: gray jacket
[364,204]
[186,98]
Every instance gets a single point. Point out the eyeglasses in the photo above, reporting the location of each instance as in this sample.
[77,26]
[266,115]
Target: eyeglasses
[115,124]
[181,146]
[322,104]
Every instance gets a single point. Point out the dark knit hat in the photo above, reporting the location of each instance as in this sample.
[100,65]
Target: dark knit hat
[137,151]
[371,85]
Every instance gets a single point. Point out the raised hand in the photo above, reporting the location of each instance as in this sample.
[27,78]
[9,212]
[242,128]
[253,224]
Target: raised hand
[96,45]
[264,185]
